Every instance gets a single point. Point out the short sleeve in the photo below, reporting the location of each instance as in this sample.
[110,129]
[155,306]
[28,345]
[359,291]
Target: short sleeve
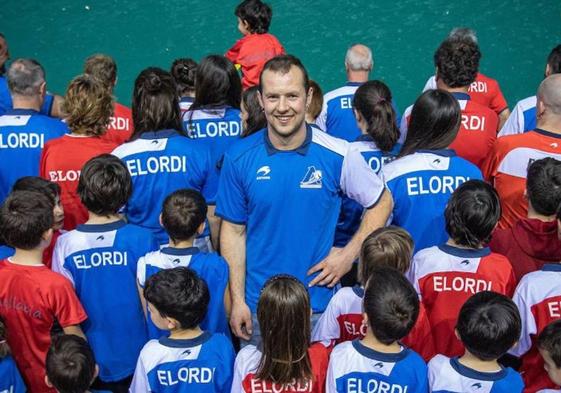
[47,106]
[65,304]
[58,263]
[139,382]
[514,124]
[231,201]
[529,327]
[211,184]
[225,377]
[498,101]
[237,378]
[141,271]
[330,383]
[321,120]
[234,52]
[327,328]
[491,163]
[430,85]
[359,181]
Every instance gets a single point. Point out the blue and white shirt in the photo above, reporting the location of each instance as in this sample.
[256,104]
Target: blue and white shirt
[289,202]
[211,267]
[421,184]
[10,378]
[355,368]
[101,262]
[448,375]
[522,118]
[6,103]
[203,364]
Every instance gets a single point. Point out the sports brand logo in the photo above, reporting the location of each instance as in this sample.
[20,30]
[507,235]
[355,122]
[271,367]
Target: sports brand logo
[312,179]
[464,262]
[477,385]
[176,261]
[100,237]
[379,365]
[263,173]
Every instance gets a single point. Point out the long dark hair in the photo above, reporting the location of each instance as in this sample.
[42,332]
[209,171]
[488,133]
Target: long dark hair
[217,83]
[255,116]
[184,72]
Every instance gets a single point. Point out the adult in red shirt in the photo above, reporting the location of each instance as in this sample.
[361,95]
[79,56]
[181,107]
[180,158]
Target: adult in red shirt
[89,106]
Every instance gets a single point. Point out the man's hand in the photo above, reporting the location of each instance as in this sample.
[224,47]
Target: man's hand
[333,267]
[240,320]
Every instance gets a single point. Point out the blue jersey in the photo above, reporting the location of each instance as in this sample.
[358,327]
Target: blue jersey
[289,202]
[355,368]
[522,118]
[23,133]
[421,184]
[10,378]
[6,103]
[6,251]
[448,375]
[203,364]
[160,163]
[209,266]
[101,262]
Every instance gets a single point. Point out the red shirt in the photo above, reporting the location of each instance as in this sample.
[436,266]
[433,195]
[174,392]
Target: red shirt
[120,126]
[486,91]
[62,160]
[31,298]
[252,52]
[48,253]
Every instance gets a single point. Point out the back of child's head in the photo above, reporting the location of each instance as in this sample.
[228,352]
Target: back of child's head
[472,213]
[390,246]
[257,14]
[183,212]
[549,344]
[488,325]
[24,217]
[543,185]
[184,72]
[178,293]
[283,312]
[70,364]
[4,347]
[105,185]
[316,103]
[391,305]
[38,184]
[252,115]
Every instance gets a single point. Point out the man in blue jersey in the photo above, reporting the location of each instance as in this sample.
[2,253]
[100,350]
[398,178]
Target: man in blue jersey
[279,196]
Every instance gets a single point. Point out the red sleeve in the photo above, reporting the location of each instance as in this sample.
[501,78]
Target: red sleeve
[319,357]
[234,52]
[43,162]
[65,304]
[420,338]
[491,163]
[498,101]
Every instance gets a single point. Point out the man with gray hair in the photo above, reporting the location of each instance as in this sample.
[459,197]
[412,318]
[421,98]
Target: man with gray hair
[23,130]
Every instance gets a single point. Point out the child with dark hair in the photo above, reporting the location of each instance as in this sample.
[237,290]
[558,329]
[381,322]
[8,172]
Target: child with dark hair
[251,112]
[257,46]
[71,365]
[342,320]
[100,258]
[446,275]
[10,378]
[31,295]
[379,361]
[549,345]
[286,361]
[183,218]
[191,359]
[184,72]
[488,326]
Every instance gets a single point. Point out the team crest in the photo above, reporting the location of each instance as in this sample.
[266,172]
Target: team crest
[312,179]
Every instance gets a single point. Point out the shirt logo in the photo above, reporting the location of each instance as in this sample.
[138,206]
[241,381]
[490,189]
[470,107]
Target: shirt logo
[176,261]
[554,145]
[477,385]
[154,142]
[436,161]
[312,179]
[263,173]
[464,262]
[186,352]
[379,365]
[100,237]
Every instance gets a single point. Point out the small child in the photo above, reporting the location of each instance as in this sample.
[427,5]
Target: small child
[488,326]
[10,378]
[257,46]
[71,365]
[342,320]
[549,345]
[183,218]
[31,295]
[445,276]
[378,362]
[191,359]
[285,362]
[184,72]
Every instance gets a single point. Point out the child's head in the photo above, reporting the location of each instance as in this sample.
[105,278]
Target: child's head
[49,188]
[284,314]
[183,214]
[26,220]
[4,347]
[254,16]
[252,115]
[385,247]
[184,72]
[472,213]
[177,298]
[391,305]
[488,325]
[105,185]
[316,103]
[543,186]
[549,345]
[70,365]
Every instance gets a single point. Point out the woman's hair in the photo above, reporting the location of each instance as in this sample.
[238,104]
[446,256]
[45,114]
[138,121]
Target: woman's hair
[284,313]
[316,103]
[217,83]
[434,123]
[373,101]
[155,105]
[4,347]
[184,72]
[255,116]
[88,105]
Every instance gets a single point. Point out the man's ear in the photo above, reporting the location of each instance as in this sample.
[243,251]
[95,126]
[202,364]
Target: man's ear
[260,99]
[96,372]
[47,235]
[43,89]
[547,70]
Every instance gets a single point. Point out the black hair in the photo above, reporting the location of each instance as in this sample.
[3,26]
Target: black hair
[182,213]
[434,122]
[543,185]
[4,347]
[391,304]
[217,84]
[24,217]
[373,100]
[105,185]
[38,184]
[257,14]
[282,64]
[256,119]
[457,62]
[550,340]
[70,364]
[488,325]
[178,293]
[184,72]
[554,60]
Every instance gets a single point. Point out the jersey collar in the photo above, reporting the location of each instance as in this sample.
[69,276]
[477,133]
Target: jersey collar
[302,149]
[364,138]
[180,251]
[354,83]
[185,343]
[474,374]
[551,267]
[547,133]
[358,290]
[186,99]
[94,228]
[21,112]
[379,356]
[461,96]
[464,253]
[159,134]
[440,152]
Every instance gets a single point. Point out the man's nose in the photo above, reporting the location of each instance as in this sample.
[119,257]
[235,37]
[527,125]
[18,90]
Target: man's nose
[283,104]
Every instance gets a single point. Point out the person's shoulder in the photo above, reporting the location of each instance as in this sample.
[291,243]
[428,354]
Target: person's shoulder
[527,103]
[427,253]
[482,110]
[131,148]
[56,143]
[220,343]
[136,230]
[122,110]
[246,146]
[438,362]
[514,379]
[342,348]
[487,79]
[338,92]
[400,166]
[335,145]
[414,360]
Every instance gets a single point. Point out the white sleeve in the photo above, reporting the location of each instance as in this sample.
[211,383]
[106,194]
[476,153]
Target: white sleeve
[237,380]
[140,382]
[431,84]
[359,181]
[528,322]
[330,383]
[321,120]
[141,271]
[58,263]
[327,328]
[515,122]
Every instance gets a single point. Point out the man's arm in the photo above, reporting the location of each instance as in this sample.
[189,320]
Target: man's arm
[503,116]
[214,226]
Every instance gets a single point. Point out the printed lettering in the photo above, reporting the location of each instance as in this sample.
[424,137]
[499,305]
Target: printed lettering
[100,259]
[478,87]
[153,165]
[460,284]
[433,185]
[186,375]
[473,123]
[60,176]
[554,309]
[119,123]
[258,386]
[16,140]
[213,129]
[355,329]
[365,385]
[346,103]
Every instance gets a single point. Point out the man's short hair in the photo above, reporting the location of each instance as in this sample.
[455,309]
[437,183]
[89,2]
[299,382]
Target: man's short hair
[38,184]
[457,62]
[282,64]
[257,14]
[488,325]
[25,77]
[359,58]
[554,60]
[178,293]
[70,364]
[24,217]
[102,67]
[472,213]
[182,213]
[549,340]
[543,185]
[391,304]
[105,185]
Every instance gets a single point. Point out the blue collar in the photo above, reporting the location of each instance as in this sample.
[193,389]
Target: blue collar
[551,267]
[302,149]
[380,356]
[359,291]
[185,343]
[547,133]
[186,99]
[21,112]
[354,83]
[364,138]
[463,252]
[95,228]
[440,152]
[159,134]
[474,374]
[180,251]
[461,96]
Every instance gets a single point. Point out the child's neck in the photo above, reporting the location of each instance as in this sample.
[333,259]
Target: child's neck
[185,334]
[452,243]
[28,257]
[181,243]
[372,342]
[95,219]
[477,364]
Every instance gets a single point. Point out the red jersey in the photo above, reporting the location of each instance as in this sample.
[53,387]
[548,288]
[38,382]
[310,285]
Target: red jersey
[486,91]
[62,160]
[507,165]
[48,253]
[31,298]
[252,52]
[445,277]
[120,126]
